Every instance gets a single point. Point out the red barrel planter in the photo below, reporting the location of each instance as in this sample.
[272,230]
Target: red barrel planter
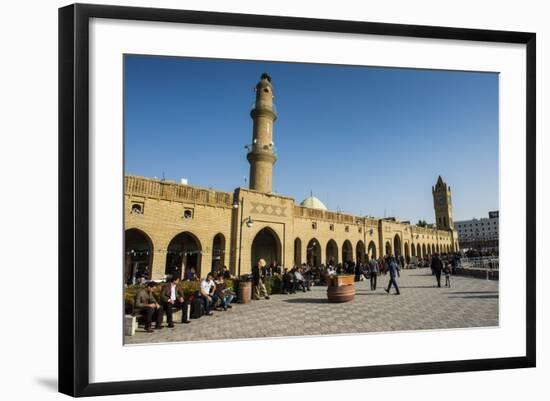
[341,288]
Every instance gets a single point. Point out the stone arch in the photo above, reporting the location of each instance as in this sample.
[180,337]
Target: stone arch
[388,248]
[138,251]
[297,251]
[418,251]
[183,253]
[332,252]
[313,253]
[360,252]
[266,245]
[371,250]
[347,252]
[424,250]
[413,250]
[218,252]
[397,245]
[437,248]
[407,254]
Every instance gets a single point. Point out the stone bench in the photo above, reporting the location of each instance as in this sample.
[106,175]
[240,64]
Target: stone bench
[131,322]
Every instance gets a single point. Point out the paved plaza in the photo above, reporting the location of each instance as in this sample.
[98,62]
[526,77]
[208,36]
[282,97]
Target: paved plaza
[470,302]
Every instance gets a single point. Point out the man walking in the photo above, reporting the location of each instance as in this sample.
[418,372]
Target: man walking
[258,285]
[393,269]
[373,273]
[437,266]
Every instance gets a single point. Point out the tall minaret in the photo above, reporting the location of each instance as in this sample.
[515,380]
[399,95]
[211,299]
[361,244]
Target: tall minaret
[443,205]
[261,155]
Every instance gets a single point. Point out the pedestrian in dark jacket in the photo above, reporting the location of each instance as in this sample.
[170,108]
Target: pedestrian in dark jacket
[393,269]
[437,266]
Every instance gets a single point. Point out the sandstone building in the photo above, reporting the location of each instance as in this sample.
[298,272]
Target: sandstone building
[170,225]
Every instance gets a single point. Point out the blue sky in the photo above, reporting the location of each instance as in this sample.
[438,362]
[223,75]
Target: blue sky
[364,140]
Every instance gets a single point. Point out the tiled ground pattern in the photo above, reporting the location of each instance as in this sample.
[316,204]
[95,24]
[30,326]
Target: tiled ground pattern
[470,302]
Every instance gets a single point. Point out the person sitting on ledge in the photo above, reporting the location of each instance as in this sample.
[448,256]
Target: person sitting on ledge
[288,285]
[224,294]
[300,281]
[226,273]
[148,307]
[171,296]
[207,289]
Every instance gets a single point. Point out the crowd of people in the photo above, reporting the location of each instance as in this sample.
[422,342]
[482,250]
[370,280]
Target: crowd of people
[214,295]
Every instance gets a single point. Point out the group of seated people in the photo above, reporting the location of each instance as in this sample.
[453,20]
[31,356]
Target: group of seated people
[299,277]
[212,294]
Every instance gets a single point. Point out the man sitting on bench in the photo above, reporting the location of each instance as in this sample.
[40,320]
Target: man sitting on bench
[171,296]
[207,291]
[148,307]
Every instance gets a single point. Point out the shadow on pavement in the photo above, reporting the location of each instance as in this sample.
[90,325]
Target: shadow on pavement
[306,301]
[477,296]
[473,292]
[371,293]
[417,286]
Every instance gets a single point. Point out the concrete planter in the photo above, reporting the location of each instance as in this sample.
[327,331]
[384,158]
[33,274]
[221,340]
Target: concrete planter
[130,325]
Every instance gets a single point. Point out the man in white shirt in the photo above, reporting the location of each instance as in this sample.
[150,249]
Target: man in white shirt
[207,290]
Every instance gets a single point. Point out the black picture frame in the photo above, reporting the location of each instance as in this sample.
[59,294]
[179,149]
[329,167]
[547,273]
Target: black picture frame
[74,198]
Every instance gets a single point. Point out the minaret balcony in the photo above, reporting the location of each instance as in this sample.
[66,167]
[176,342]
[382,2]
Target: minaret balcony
[261,151]
[260,107]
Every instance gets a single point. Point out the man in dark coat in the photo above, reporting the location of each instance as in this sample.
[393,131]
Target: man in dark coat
[393,269]
[172,297]
[437,266]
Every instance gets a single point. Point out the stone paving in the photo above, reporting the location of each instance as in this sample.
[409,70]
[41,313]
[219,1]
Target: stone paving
[470,302]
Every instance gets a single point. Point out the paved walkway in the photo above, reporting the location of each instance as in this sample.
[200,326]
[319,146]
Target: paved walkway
[470,302]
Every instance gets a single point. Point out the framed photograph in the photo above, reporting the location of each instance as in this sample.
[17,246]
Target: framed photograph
[262,200]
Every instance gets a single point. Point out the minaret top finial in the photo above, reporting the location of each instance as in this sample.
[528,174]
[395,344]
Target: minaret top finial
[265,75]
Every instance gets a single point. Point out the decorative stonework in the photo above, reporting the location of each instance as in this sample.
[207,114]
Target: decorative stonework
[267,209]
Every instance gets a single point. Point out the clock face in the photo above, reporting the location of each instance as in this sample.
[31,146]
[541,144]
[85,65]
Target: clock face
[440,199]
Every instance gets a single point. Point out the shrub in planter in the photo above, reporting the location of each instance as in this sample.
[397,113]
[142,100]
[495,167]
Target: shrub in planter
[273,284]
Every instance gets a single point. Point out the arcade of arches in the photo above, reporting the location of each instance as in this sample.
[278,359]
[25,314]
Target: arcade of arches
[177,227]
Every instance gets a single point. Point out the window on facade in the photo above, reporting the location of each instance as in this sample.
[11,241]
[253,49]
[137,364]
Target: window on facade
[137,208]
[314,226]
[347,229]
[188,214]
[331,227]
[360,229]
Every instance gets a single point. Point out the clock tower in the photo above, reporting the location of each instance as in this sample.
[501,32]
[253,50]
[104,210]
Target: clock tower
[443,205]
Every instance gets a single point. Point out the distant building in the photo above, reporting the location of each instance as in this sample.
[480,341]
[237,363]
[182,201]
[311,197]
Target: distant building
[480,234]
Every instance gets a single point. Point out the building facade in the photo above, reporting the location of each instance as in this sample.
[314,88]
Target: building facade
[170,226]
[479,234]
